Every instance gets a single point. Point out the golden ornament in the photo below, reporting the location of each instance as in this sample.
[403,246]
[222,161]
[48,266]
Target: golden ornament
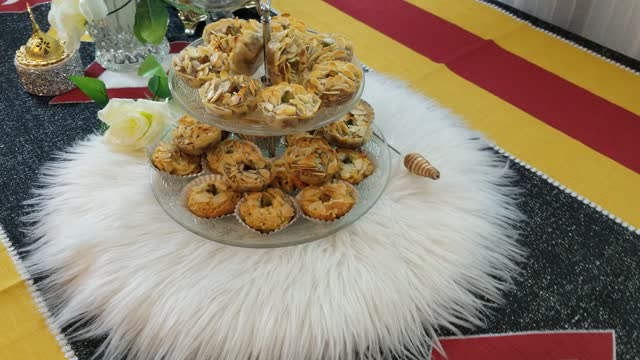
[43,65]
[41,49]
[420,166]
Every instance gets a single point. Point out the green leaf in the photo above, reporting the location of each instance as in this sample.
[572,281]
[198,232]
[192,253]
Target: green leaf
[186,7]
[92,87]
[152,18]
[150,66]
[159,86]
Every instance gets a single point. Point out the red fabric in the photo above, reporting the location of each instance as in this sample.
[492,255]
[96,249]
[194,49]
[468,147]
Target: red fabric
[16,6]
[76,96]
[586,117]
[598,345]
[177,46]
[95,70]
[425,33]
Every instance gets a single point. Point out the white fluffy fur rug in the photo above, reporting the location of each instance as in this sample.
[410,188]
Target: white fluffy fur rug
[427,256]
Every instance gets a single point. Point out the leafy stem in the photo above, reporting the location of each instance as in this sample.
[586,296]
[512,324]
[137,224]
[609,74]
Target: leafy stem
[94,88]
[158,82]
[120,7]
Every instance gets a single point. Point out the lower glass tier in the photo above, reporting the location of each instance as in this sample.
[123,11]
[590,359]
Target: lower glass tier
[227,230]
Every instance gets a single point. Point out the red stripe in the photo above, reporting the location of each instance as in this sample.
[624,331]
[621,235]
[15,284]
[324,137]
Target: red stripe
[533,346]
[586,117]
[19,6]
[429,35]
[177,46]
[77,96]
[94,70]
[590,119]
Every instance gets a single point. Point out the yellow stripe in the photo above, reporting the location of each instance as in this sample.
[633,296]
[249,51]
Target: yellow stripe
[472,16]
[373,48]
[573,164]
[23,331]
[594,74]
[600,77]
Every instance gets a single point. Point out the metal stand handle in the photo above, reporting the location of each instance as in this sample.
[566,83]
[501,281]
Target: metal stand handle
[264,10]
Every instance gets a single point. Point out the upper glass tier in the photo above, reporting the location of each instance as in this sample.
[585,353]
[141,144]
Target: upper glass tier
[252,124]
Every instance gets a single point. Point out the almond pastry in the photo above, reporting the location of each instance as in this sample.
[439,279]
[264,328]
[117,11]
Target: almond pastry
[287,56]
[354,166]
[334,81]
[193,137]
[240,39]
[229,95]
[267,210]
[287,101]
[311,161]
[168,158]
[327,202]
[328,47]
[353,129]
[198,65]
[212,197]
[241,163]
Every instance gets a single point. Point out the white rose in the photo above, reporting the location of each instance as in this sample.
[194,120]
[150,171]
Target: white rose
[93,9]
[69,18]
[133,124]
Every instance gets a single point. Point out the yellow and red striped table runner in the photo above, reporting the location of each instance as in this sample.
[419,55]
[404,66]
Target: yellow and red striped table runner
[564,111]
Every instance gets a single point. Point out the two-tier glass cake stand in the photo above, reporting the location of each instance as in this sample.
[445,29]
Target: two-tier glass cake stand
[227,230]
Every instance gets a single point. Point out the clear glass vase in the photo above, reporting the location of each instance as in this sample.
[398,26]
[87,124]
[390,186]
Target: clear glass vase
[117,48]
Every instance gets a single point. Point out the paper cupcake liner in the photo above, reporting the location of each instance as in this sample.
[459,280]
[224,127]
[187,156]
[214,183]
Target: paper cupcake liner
[296,215]
[186,191]
[204,170]
[356,196]
[167,138]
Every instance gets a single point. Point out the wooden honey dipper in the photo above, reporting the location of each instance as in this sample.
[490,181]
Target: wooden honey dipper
[417,164]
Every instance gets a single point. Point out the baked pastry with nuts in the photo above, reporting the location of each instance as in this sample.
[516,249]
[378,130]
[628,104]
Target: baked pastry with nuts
[197,65]
[168,158]
[285,101]
[241,163]
[353,165]
[354,129]
[193,137]
[327,202]
[266,211]
[229,95]
[311,161]
[211,196]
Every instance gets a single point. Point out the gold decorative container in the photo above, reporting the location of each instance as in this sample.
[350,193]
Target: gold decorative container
[44,65]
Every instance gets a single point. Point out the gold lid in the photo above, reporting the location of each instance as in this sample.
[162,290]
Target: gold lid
[41,49]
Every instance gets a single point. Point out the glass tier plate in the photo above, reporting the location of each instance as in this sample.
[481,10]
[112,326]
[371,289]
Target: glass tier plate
[227,230]
[250,124]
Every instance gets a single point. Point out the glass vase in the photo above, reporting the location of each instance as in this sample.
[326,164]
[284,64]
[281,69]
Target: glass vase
[117,48]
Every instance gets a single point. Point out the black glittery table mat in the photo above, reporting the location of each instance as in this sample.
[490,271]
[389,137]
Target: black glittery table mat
[582,270]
